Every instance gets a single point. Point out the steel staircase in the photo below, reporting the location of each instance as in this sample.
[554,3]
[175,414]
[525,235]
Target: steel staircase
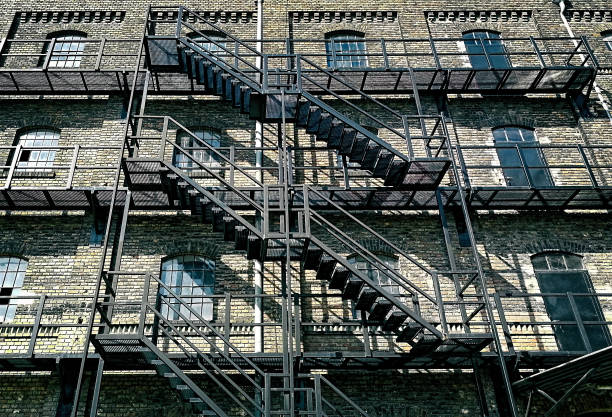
[261,227]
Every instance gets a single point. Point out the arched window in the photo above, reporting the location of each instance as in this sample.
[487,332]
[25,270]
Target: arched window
[486,49]
[12,273]
[195,147]
[192,278]
[520,156]
[210,41]
[39,146]
[563,273]
[607,38]
[345,49]
[67,49]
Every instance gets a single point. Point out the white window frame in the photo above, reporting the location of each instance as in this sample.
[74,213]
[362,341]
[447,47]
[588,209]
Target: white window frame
[67,51]
[12,274]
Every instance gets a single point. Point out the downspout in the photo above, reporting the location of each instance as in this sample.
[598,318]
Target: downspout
[600,97]
[257,265]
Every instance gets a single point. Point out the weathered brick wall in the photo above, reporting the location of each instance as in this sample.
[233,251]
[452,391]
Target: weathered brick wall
[62,262]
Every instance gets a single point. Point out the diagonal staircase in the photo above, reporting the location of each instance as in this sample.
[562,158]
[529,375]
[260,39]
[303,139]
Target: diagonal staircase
[313,238]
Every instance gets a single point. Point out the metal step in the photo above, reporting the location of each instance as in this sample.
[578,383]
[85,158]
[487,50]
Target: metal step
[366,299]
[314,120]
[352,289]
[397,171]
[382,163]
[253,247]
[426,343]
[394,321]
[335,135]
[348,140]
[409,332]
[359,148]
[236,93]
[229,228]
[245,100]
[371,156]
[227,86]
[326,268]
[217,222]
[379,310]
[302,113]
[339,278]
[325,126]
[240,237]
[312,257]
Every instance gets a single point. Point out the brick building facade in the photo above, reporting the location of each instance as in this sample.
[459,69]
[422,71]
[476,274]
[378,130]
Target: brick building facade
[243,208]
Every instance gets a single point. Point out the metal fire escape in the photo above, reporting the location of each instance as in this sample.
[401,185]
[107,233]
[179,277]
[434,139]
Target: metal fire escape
[446,316]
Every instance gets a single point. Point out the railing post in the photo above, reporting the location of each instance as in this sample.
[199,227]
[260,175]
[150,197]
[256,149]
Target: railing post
[179,22]
[464,172]
[73,164]
[306,211]
[100,54]
[486,55]
[49,53]
[333,51]
[590,52]
[16,156]
[143,305]
[440,300]
[227,324]
[267,399]
[265,73]
[36,327]
[579,323]
[298,60]
[504,323]
[162,148]
[587,165]
[434,52]
[318,401]
[298,322]
[290,165]
[408,138]
[524,165]
[383,46]
[537,51]
[347,183]
[232,157]
[236,54]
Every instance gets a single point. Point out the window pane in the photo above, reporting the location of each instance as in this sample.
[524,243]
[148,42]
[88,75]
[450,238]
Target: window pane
[32,158]
[12,273]
[349,48]
[486,49]
[191,277]
[67,52]
[196,148]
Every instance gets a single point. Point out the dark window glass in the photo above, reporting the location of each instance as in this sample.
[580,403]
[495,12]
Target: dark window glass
[192,278]
[349,49]
[12,273]
[486,50]
[521,160]
[562,273]
[211,42]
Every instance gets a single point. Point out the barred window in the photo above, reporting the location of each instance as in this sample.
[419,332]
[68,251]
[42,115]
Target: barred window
[39,147]
[196,148]
[67,50]
[191,278]
[346,49]
[12,273]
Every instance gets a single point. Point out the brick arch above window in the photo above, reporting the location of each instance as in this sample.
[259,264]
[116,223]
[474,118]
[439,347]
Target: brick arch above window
[38,121]
[555,245]
[15,249]
[190,247]
[507,120]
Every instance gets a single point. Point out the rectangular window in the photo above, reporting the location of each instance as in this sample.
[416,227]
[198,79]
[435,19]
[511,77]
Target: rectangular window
[67,52]
[486,50]
[346,50]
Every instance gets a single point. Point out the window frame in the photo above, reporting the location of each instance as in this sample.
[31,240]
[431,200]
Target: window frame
[572,266]
[206,305]
[484,46]
[205,44]
[352,38]
[508,144]
[212,159]
[606,37]
[7,314]
[75,38]
[25,166]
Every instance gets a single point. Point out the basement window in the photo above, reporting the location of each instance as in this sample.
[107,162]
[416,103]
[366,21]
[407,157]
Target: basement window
[12,273]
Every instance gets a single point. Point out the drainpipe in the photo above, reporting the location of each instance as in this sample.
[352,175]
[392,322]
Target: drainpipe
[257,265]
[600,97]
